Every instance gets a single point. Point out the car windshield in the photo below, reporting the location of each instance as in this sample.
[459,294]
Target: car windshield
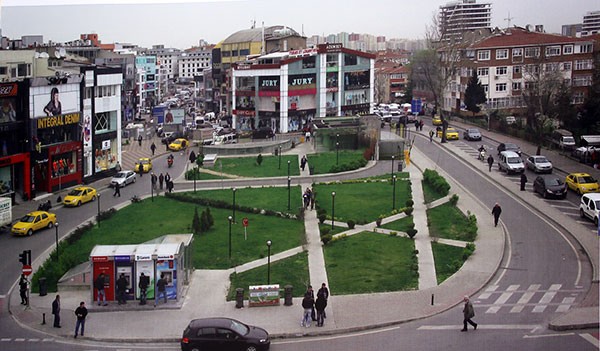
[473,131]
[144,162]
[586,179]
[239,328]
[28,219]
[554,181]
[75,192]
[540,160]
[120,175]
[510,146]
[514,160]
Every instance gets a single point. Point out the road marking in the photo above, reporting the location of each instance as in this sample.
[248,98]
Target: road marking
[593,340]
[488,292]
[546,298]
[33,340]
[481,326]
[565,305]
[2,296]
[19,339]
[546,335]
[525,298]
[5,339]
[502,299]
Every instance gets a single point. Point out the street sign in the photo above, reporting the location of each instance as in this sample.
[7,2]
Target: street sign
[245,222]
[416,106]
[27,270]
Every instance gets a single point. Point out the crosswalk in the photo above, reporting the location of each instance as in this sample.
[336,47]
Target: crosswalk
[533,298]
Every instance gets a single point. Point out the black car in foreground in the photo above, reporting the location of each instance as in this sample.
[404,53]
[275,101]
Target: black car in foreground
[550,186]
[263,133]
[509,147]
[223,334]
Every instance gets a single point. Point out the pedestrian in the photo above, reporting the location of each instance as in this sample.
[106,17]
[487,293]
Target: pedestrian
[170,186]
[161,288]
[307,135]
[140,140]
[490,161]
[152,148]
[99,285]
[308,303]
[143,285]
[118,167]
[523,181]
[23,289]
[56,311]
[303,162]
[153,180]
[313,197]
[421,124]
[320,305]
[121,288]
[141,169]
[313,313]
[167,178]
[161,179]
[325,293]
[306,198]
[468,313]
[117,190]
[81,312]
[496,211]
[431,133]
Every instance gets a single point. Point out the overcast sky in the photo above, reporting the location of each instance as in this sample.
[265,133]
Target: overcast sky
[181,24]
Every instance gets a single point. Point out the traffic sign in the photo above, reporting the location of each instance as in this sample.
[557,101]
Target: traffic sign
[27,270]
[245,222]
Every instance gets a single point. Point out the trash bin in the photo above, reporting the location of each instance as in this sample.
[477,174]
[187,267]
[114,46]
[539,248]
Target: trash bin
[239,298]
[400,166]
[43,288]
[287,295]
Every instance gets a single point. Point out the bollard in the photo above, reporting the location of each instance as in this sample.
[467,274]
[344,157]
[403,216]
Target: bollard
[431,299]
[239,298]
[43,318]
[287,295]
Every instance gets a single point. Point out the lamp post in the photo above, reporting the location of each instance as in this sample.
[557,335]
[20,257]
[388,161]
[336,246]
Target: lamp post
[394,192]
[279,166]
[332,209]
[233,190]
[337,153]
[98,196]
[269,242]
[229,218]
[288,168]
[289,183]
[393,157]
[151,189]
[56,238]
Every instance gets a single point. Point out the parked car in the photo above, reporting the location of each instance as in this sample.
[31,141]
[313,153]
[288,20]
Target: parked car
[263,133]
[146,165]
[589,206]
[80,195]
[582,183]
[178,144]
[33,221]
[451,133]
[509,147]
[223,334]
[123,178]
[539,164]
[510,162]
[472,134]
[550,186]
[169,138]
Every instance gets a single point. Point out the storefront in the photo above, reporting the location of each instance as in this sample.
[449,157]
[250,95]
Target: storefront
[15,176]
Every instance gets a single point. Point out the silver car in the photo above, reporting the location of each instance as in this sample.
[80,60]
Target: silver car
[123,178]
[472,134]
[538,164]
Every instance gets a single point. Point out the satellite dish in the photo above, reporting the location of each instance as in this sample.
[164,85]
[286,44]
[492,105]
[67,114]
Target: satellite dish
[36,55]
[44,55]
[56,54]
[63,52]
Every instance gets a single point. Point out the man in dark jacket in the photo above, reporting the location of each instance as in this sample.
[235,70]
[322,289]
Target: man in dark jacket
[81,312]
[143,285]
[496,211]
[308,304]
[99,285]
[23,289]
[323,292]
[121,288]
[468,313]
[320,306]
[161,289]
[523,181]
[490,161]
[56,311]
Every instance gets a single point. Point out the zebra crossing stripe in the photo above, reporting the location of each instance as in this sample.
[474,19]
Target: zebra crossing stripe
[546,298]
[565,305]
[502,299]
[525,298]
[488,292]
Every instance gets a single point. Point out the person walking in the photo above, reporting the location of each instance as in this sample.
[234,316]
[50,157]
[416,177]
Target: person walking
[324,292]
[141,169]
[496,211]
[468,313]
[153,148]
[320,305]
[161,179]
[117,190]
[161,288]
[431,133]
[99,285]
[56,311]
[23,289]
[313,312]
[303,163]
[167,179]
[153,180]
[81,312]
[490,161]
[308,303]
[523,181]
[143,285]
[121,288]
[313,198]
[140,140]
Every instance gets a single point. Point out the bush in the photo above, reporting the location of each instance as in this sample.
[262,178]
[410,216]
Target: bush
[454,200]
[437,182]
[351,224]
[326,238]
[468,251]
[259,159]
[410,203]
[408,211]
[105,214]
[325,231]
[411,233]
[196,222]
[322,218]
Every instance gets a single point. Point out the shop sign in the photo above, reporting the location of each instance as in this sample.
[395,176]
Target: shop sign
[302,81]
[250,113]
[105,144]
[57,121]
[164,257]
[99,258]
[303,52]
[271,83]
[8,90]
[122,258]
[333,47]
[143,257]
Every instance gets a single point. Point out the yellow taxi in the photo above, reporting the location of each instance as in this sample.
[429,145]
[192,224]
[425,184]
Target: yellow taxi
[146,165]
[436,120]
[451,133]
[582,183]
[80,195]
[32,222]
[178,144]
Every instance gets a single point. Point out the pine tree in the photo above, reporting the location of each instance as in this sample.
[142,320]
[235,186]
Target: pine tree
[474,94]
[196,222]
[211,220]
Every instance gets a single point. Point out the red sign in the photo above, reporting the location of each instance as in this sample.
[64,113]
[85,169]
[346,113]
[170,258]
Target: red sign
[245,222]
[27,269]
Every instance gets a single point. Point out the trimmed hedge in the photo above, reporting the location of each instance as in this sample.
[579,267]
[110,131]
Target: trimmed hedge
[436,181]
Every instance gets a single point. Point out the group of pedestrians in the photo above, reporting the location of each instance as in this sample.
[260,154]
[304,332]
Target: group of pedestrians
[308,198]
[309,306]
[81,312]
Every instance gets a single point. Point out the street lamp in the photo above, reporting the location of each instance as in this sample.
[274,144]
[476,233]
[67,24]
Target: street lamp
[393,157]
[269,262]
[332,208]
[394,192]
[289,182]
[279,166]
[98,196]
[288,168]
[56,237]
[152,189]
[229,218]
[233,190]
[337,153]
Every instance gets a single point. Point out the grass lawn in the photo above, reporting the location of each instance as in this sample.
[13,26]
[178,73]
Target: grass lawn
[448,260]
[429,193]
[321,163]
[247,166]
[371,262]
[360,201]
[336,229]
[447,221]
[400,225]
[289,271]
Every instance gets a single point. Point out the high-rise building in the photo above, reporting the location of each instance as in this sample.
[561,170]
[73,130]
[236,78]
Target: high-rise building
[591,23]
[460,16]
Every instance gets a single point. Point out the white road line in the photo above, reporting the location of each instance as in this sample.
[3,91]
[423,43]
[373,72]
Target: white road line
[481,326]
[502,299]
[525,298]
[488,292]
[47,339]
[565,305]
[19,339]
[591,339]
[546,298]
[33,340]
[546,335]
[5,339]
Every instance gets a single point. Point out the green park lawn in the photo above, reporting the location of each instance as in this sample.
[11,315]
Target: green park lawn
[400,225]
[323,162]
[249,168]
[448,222]
[429,193]
[448,260]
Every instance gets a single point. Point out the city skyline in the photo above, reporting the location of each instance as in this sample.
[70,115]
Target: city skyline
[182,24]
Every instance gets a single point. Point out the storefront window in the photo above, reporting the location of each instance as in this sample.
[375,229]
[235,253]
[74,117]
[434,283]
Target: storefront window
[105,155]
[5,180]
[64,164]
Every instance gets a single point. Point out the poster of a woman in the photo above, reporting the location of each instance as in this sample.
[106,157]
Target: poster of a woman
[54,107]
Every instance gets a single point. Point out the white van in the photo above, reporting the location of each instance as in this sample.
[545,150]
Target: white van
[510,162]
[230,138]
[590,207]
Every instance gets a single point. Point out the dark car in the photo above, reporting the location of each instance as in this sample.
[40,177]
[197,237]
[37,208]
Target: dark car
[550,186]
[472,134]
[509,147]
[171,137]
[263,133]
[223,334]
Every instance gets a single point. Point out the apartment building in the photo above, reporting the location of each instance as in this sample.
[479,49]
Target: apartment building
[460,16]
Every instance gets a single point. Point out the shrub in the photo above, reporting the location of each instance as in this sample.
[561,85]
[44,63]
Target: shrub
[325,231]
[378,221]
[468,251]
[322,218]
[409,203]
[326,238]
[408,211]
[351,224]
[437,182]
[196,222]
[411,233]
[105,214]
[259,159]
[454,200]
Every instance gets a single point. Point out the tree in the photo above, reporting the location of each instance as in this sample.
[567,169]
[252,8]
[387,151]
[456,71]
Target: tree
[196,229]
[474,94]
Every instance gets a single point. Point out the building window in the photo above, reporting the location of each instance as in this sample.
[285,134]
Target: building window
[583,64]
[532,52]
[578,97]
[584,49]
[350,60]
[501,54]
[582,81]
[486,88]
[501,71]
[23,70]
[567,49]
[501,87]
[483,71]
[517,52]
[567,66]
[516,86]
[483,55]
[517,69]
[553,50]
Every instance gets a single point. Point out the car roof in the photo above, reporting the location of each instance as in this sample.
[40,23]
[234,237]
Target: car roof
[549,176]
[211,322]
[144,159]
[36,213]
[579,174]
[593,196]
[473,130]
[82,188]
[509,154]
